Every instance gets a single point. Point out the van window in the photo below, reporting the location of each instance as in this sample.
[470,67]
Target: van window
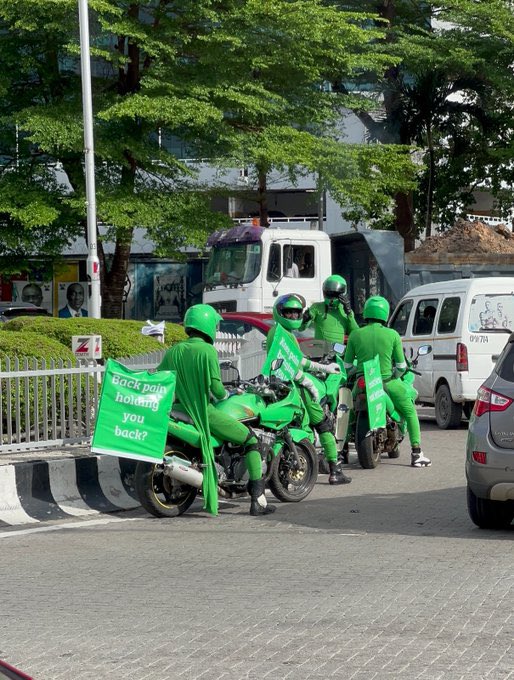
[491,311]
[425,315]
[448,316]
[274,271]
[401,318]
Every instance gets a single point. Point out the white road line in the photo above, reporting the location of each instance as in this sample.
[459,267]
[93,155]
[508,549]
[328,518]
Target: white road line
[11,510]
[63,485]
[69,525]
[110,482]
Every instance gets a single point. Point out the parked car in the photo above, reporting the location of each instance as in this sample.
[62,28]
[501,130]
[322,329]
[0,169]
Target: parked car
[467,323]
[490,447]
[242,323]
[9,310]
[8,672]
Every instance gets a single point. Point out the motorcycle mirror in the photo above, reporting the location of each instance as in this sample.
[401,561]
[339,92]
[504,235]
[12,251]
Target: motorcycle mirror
[424,350]
[338,347]
[261,380]
[276,364]
[226,364]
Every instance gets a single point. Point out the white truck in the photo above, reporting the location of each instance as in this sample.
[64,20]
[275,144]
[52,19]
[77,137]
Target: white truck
[250,266]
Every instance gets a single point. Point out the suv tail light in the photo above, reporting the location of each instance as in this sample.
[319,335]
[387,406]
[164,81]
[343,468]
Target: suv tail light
[462,357]
[487,401]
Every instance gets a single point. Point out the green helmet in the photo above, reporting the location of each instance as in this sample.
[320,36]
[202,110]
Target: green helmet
[333,287]
[376,307]
[203,318]
[292,302]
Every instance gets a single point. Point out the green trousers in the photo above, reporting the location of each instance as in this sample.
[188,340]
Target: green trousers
[404,405]
[316,415]
[228,429]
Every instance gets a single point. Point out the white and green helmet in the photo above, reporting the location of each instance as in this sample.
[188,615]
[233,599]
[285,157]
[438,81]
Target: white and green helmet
[294,303]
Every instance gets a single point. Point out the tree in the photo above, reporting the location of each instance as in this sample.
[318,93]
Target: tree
[240,80]
[452,96]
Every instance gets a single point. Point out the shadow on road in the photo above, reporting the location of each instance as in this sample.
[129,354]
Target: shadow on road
[440,513]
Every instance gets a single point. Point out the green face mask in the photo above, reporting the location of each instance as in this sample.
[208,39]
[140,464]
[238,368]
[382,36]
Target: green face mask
[331,302]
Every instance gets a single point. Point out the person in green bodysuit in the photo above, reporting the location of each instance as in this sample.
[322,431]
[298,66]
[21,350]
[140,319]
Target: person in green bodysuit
[288,311]
[198,378]
[333,318]
[375,338]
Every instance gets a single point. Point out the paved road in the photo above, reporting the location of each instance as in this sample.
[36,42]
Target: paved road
[386,578]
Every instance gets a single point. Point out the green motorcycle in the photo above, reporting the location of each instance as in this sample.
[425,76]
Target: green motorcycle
[274,411]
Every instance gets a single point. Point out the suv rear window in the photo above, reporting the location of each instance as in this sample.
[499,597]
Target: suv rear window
[491,311]
[505,364]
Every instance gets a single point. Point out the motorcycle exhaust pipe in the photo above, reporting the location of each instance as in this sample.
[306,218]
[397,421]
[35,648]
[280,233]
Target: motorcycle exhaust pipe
[182,470]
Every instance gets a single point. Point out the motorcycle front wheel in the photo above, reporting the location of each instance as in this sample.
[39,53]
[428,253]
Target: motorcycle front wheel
[368,455]
[287,482]
[159,494]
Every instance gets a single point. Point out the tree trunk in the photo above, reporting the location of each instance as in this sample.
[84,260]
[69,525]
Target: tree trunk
[430,184]
[404,214]
[262,198]
[113,281]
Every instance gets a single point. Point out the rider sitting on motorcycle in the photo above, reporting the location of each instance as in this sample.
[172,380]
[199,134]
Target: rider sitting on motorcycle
[198,378]
[375,338]
[333,318]
[288,311]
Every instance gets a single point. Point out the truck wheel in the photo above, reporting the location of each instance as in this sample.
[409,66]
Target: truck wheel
[488,514]
[448,413]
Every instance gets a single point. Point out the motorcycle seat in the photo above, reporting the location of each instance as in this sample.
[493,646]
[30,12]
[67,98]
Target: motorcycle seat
[181,417]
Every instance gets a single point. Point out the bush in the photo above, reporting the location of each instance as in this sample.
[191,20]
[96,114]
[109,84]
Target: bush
[120,337]
[29,344]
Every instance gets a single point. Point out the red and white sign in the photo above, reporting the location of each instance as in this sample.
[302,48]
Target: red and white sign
[87,346]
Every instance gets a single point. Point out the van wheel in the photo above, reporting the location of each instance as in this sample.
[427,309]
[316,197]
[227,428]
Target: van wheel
[448,413]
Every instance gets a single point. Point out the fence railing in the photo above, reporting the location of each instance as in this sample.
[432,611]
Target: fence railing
[47,404]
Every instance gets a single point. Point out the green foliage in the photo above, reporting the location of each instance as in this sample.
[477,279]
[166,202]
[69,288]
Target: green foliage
[120,338]
[30,344]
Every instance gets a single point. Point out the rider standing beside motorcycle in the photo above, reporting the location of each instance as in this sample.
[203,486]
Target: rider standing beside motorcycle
[288,312]
[198,377]
[333,318]
[375,338]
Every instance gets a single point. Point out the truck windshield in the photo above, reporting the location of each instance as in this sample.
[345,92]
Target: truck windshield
[233,263]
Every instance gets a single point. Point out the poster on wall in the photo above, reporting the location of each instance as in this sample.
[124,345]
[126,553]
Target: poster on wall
[38,293]
[491,311]
[72,299]
[169,296]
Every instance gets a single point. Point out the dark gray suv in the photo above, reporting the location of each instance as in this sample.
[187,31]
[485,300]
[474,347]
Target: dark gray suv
[490,447]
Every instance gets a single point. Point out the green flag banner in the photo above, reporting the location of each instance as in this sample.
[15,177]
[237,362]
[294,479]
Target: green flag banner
[285,348]
[375,394]
[132,420]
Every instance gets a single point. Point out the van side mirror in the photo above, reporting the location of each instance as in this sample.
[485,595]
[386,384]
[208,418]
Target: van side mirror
[276,364]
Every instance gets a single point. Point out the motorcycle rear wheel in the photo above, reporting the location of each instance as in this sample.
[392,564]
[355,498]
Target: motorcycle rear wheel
[160,495]
[290,485]
[368,456]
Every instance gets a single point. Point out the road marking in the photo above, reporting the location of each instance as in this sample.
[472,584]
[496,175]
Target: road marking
[69,525]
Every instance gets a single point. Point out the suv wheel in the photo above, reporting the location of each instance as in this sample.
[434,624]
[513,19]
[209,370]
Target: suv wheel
[448,413]
[488,514]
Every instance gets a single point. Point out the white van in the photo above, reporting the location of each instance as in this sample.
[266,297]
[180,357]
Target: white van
[467,323]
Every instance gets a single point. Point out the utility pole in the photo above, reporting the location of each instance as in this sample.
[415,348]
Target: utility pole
[93,263]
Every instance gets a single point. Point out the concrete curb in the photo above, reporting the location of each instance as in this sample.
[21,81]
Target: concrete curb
[41,490]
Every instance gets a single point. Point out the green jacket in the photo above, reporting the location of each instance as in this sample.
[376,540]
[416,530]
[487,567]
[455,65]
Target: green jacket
[330,323]
[374,338]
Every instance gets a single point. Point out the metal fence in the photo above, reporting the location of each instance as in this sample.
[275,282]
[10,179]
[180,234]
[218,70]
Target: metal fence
[47,404]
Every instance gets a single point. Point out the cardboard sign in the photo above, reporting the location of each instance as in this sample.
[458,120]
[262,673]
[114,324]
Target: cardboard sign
[375,394]
[286,349]
[133,413]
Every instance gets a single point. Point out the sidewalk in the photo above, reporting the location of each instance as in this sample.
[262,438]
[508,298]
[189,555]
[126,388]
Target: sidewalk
[50,484]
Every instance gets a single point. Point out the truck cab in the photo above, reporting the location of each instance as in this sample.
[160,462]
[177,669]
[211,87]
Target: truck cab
[250,266]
